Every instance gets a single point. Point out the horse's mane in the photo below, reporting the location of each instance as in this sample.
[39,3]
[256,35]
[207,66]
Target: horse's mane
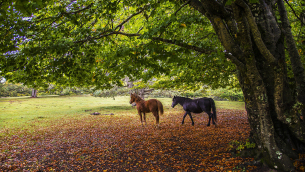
[183,97]
[138,98]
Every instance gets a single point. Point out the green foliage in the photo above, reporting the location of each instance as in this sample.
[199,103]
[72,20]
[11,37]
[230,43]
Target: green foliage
[123,91]
[241,145]
[191,93]
[228,93]
[298,107]
[232,94]
[1,86]
[14,21]
[72,44]
[72,91]
[164,93]
[113,92]
[14,90]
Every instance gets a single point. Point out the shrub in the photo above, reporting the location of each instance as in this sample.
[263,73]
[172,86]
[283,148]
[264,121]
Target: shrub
[164,93]
[14,90]
[113,92]
[232,94]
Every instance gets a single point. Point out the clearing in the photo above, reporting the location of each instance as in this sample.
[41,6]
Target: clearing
[59,134]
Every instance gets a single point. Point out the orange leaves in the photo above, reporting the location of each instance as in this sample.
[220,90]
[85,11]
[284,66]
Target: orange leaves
[299,163]
[183,25]
[120,143]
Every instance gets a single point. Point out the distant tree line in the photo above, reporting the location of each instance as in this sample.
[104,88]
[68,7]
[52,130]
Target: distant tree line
[232,94]
[17,90]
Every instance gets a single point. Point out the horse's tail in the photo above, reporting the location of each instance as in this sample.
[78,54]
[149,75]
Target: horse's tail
[160,107]
[213,108]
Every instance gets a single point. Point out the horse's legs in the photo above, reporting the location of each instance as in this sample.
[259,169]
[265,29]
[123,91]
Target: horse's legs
[191,118]
[187,113]
[156,114]
[140,114]
[144,116]
[184,117]
[157,118]
[210,116]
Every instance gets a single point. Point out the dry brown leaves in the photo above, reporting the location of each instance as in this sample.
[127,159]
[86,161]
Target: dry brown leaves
[121,143]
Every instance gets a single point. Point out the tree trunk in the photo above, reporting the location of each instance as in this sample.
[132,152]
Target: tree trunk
[255,42]
[34,93]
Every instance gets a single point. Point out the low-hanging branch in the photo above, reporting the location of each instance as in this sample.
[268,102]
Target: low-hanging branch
[174,42]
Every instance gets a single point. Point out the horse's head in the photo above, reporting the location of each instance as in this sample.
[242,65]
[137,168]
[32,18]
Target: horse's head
[132,98]
[175,102]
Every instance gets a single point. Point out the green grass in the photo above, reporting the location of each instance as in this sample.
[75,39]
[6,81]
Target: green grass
[30,113]
[230,105]
[19,112]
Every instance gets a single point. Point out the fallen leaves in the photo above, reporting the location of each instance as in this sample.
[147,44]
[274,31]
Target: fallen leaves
[121,143]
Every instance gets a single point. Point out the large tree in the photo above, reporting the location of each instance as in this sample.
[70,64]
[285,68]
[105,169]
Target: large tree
[90,42]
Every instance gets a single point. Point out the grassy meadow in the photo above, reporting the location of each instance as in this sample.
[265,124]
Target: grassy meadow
[57,133]
[30,113]
[25,112]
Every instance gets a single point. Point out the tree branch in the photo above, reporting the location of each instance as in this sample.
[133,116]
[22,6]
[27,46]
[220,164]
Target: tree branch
[294,12]
[64,13]
[215,8]
[220,28]
[297,67]
[89,6]
[206,36]
[181,44]
[174,42]
[182,7]
[235,60]
[198,6]
[140,29]
[256,34]
[126,20]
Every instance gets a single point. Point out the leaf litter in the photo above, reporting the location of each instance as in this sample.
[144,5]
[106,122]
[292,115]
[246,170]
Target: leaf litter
[121,143]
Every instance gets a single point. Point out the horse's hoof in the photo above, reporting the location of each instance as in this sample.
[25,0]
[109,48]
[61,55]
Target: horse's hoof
[193,124]
[208,125]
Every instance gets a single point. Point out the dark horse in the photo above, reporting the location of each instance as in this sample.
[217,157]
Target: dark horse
[151,105]
[196,106]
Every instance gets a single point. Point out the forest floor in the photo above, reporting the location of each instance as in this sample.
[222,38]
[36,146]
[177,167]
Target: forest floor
[120,143]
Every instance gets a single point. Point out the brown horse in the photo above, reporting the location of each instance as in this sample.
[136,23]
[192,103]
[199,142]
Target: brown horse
[151,105]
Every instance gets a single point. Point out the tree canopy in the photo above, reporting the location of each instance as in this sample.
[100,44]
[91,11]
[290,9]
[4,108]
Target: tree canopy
[85,43]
